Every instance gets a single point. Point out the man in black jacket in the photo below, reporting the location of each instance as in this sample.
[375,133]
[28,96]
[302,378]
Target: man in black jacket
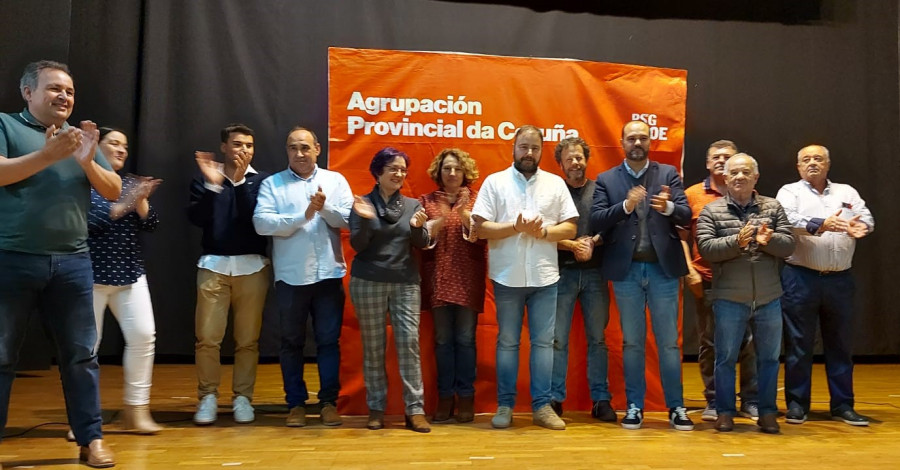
[745,237]
[233,271]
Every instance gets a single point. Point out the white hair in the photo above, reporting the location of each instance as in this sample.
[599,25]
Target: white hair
[753,164]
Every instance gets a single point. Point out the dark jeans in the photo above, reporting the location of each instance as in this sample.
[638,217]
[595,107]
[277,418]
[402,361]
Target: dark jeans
[60,288]
[325,301]
[706,354]
[454,350]
[811,299]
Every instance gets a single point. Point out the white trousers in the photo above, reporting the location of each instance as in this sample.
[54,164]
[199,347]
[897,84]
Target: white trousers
[132,308]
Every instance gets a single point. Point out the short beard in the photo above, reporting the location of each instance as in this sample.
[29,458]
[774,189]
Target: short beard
[637,158]
[518,165]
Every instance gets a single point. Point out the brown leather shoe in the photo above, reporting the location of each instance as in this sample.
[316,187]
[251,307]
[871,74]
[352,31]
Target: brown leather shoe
[97,455]
[376,420]
[418,423]
[724,422]
[296,417]
[768,423]
[330,416]
[466,409]
[444,410]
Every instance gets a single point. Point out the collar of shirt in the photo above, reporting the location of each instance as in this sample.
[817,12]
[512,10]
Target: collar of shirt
[32,121]
[250,169]
[639,173]
[518,174]
[296,176]
[816,192]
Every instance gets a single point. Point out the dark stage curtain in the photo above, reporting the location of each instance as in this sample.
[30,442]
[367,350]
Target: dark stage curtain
[771,79]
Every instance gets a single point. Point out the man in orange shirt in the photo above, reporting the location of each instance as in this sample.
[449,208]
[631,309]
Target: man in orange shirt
[699,281]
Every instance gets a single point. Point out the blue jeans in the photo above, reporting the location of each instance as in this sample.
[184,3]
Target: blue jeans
[454,349]
[511,303]
[588,287]
[325,301]
[60,288]
[646,285]
[827,300]
[731,326]
[706,353]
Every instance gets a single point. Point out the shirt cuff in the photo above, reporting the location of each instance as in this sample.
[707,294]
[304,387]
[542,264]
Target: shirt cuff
[216,188]
[670,208]
[625,207]
[814,225]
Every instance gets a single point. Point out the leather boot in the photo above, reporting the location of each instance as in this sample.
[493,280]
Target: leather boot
[417,423]
[444,410]
[137,418]
[97,455]
[465,412]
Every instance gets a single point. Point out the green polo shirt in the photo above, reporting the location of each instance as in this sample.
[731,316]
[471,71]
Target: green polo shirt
[45,213]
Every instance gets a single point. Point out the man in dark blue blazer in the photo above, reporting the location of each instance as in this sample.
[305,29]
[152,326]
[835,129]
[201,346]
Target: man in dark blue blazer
[637,207]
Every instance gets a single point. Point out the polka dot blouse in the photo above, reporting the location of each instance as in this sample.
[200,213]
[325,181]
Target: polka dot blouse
[115,247]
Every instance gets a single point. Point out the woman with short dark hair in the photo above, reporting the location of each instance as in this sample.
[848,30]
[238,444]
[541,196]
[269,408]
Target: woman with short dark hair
[385,226]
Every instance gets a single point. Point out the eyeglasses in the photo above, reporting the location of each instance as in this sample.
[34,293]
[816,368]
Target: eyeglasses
[396,169]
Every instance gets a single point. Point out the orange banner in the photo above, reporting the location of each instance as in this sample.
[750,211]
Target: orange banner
[423,102]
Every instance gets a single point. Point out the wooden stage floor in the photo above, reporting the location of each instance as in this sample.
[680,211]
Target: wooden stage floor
[267,444]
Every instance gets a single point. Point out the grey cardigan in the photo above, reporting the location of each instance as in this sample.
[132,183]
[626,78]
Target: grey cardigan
[751,275]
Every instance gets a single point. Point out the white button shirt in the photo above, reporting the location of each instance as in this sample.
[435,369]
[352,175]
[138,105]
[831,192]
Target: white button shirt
[522,260]
[304,251]
[826,251]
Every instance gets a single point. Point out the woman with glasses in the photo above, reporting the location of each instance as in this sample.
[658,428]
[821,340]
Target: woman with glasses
[385,226]
[453,277]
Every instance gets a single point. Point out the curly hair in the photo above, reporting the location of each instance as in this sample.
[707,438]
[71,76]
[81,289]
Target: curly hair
[470,168]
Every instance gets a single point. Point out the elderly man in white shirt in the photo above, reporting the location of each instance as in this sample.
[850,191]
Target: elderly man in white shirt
[303,209]
[522,212]
[827,218]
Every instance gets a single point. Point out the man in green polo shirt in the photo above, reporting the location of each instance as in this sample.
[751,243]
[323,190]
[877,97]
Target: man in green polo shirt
[47,169]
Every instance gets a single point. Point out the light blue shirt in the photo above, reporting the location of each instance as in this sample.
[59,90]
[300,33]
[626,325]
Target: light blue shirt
[304,251]
[670,206]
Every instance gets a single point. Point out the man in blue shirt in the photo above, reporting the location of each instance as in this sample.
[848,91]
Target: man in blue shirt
[47,169]
[303,209]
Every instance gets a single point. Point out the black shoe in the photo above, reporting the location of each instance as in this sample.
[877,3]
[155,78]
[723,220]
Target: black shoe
[679,420]
[850,417]
[604,412]
[795,416]
[557,407]
[768,423]
[634,417]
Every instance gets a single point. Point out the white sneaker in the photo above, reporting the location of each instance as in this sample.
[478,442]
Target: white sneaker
[709,413]
[207,410]
[243,411]
[503,418]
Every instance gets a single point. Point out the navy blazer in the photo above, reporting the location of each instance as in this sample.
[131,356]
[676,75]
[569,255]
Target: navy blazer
[620,230]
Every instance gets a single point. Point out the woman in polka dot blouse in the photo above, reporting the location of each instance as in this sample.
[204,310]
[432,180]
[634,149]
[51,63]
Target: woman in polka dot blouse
[119,279]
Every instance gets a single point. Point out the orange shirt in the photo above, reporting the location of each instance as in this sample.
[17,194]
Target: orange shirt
[698,196]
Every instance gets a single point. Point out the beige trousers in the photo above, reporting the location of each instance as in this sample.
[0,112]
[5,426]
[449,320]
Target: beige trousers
[246,295]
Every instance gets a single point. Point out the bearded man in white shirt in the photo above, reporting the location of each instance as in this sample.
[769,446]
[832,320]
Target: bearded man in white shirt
[523,212]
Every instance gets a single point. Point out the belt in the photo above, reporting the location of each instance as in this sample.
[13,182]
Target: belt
[817,272]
